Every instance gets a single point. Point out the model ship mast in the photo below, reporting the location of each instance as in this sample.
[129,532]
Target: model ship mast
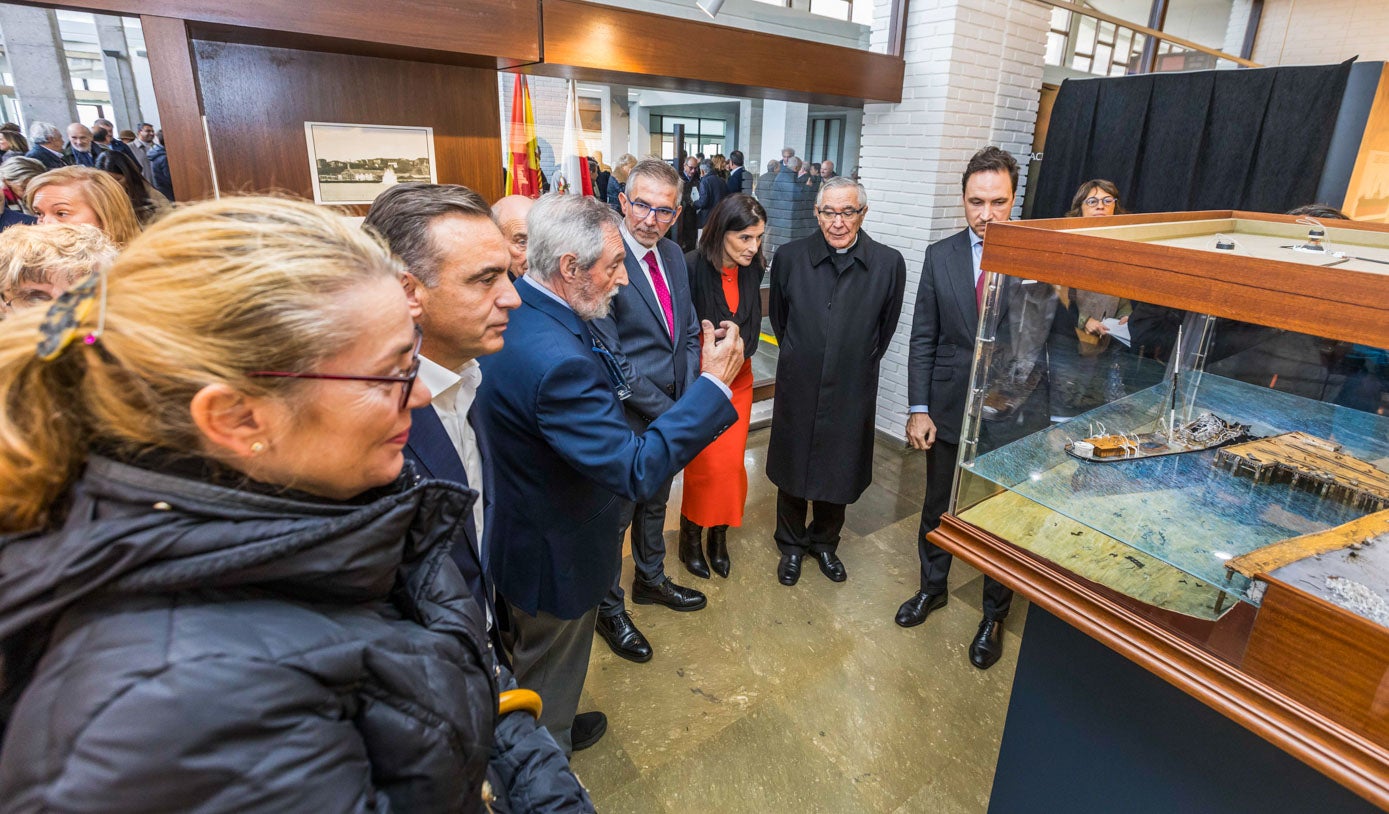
[1176,367]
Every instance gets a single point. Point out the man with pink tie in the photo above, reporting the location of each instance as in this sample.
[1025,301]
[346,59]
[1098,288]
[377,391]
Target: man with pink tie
[653,333]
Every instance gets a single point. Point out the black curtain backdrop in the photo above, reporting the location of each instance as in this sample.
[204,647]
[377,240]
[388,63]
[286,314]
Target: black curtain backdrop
[1253,139]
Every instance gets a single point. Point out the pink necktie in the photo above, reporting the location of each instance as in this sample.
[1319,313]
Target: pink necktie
[662,292]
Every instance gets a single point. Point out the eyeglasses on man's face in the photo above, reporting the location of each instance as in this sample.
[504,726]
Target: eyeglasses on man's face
[834,214]
[1107,200]
[641,210]
[407,378]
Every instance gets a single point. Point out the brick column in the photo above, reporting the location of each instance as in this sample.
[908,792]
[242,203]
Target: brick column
[974,72]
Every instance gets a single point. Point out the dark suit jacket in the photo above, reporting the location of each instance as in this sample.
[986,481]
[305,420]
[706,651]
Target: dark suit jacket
[712,189]
[736,179]
[943,329]
[435,456]
[47,158]
[70,155]
[12,217]
[564,458]
[657,368]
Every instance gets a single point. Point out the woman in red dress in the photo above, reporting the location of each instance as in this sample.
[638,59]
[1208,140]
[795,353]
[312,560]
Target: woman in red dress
[725,283]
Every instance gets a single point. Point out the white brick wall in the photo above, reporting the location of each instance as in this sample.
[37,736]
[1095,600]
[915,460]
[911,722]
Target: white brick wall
[973,75]
[1322,32]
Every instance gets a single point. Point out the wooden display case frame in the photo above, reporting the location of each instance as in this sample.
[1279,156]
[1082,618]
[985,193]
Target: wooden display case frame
[1312,678]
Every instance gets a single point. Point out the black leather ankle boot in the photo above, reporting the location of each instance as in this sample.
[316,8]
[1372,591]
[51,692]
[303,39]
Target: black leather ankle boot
[691,551]
[718,550]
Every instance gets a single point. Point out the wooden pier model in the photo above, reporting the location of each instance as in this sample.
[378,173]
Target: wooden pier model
[1310,463]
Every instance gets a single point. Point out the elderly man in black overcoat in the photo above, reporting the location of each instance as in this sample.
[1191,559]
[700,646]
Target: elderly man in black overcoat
[835,299]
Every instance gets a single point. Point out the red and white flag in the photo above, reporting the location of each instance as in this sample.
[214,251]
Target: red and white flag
[573,173]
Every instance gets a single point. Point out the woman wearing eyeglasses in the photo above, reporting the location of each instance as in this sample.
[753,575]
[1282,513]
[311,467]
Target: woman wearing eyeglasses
[725,284]
[222,590]
[1095,383]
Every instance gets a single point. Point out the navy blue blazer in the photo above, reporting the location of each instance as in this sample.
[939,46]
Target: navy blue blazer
[564,458]
[435,456]
[47,158]
[658,369]
[12,217]
[712,189]
[736,180]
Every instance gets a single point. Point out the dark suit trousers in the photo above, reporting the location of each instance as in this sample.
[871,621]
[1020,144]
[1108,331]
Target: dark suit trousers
[935,561]
[551,658]
[648,523]
[794,537]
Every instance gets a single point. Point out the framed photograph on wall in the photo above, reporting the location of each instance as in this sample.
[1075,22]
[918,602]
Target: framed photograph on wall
[353,163]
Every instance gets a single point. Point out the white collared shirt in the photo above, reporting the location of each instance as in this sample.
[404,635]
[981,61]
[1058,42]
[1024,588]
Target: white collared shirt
[639,251]
[454,393]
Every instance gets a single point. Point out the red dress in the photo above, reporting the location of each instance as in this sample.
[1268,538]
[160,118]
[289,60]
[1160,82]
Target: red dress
[716,482]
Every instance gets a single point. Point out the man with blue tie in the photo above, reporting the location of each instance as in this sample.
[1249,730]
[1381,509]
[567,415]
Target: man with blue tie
[944,325]
[81,151]
[460,296]
[565,459]
[653,333]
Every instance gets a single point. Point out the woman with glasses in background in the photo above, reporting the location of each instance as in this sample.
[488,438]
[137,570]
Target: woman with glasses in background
[725,284]
[223,589]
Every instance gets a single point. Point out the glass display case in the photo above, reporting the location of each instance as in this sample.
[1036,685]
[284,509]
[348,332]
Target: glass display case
[1177,439]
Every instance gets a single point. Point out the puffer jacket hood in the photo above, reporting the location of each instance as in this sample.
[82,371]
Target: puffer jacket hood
[173,632]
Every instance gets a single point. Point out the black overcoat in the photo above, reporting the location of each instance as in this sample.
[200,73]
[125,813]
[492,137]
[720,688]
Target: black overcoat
[833,316]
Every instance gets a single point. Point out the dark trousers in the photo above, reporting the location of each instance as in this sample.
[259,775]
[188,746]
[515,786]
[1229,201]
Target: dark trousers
[935,561]
[794,537]
[551,658]
[648,523]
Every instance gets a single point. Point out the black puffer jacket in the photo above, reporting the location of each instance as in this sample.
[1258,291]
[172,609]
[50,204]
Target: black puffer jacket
[184,646]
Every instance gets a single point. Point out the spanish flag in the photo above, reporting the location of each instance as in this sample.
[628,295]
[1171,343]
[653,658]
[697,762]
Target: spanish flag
[523,160]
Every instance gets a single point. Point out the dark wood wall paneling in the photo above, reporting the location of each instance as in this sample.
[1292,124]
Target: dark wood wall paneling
[505,30]
[667,52]
[180,106]
[257,100]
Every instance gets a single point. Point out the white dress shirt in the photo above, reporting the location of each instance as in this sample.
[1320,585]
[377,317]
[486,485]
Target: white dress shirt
[639,251]
[454,392]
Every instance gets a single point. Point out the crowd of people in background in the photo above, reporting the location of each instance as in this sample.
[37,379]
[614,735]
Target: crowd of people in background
[362,603]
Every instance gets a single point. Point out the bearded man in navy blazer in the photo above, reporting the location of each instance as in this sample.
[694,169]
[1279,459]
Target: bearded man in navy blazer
[565,459]
[654,334]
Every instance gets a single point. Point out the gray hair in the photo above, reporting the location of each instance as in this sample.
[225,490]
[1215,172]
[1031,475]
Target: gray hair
[658,171]
[706,166]
[793,163]
[567,224]
[20,169]
[44,132]
[839,182]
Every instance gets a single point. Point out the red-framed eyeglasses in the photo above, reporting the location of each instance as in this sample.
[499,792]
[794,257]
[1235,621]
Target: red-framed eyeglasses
[407,378]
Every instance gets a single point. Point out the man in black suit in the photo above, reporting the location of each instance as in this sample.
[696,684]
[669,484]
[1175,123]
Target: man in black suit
[712,189]
[654,335]
[941,350]
[738,178]
[80,150]
[47,147]
[460,297]
[104,136]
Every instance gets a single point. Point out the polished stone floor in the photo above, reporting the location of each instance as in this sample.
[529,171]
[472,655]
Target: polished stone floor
[804,699]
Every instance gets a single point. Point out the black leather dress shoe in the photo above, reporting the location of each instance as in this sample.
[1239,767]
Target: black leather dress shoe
[987,646]
[587,729]
[675,597]
[624,638]
[915,610]
[789,569]
[718,550]
[831,566]
[691,552]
